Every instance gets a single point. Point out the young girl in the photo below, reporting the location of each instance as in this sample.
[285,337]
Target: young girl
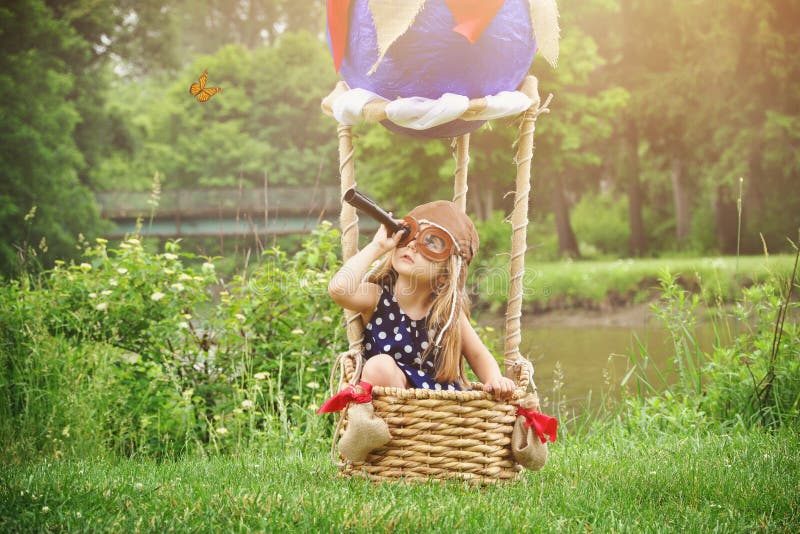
[415,306]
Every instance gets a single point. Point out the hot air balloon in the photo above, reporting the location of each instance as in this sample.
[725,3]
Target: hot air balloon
[429,48]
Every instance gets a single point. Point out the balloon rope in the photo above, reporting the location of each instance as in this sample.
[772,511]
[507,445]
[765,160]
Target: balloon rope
[519,224]
[460,186]
[348,222]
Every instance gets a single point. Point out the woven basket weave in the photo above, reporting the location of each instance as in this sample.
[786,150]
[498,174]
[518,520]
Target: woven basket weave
[464,435]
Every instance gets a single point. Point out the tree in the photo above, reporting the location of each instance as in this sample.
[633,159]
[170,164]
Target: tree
[39,157]
[266,122]
[572,144]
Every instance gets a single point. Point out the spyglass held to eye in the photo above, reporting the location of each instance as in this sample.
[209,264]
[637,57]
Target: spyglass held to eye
[434,242]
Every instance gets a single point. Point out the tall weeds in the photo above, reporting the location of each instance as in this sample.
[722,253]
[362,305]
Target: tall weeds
[137,353]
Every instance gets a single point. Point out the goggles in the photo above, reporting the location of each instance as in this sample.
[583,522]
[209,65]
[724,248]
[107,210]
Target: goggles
[434,242]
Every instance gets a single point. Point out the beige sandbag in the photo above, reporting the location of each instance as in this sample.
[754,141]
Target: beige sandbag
[365,432]
[526,447]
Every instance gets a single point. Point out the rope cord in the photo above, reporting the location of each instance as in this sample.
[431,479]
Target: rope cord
[519,224]
[348,222]
[460,187]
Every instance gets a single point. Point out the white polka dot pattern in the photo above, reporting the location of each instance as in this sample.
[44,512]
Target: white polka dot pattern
[391,331]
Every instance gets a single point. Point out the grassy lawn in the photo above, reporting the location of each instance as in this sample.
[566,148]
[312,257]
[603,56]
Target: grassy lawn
[610,481]
[595,283]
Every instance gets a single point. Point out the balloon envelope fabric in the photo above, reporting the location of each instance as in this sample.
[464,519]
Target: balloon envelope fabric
[430,58]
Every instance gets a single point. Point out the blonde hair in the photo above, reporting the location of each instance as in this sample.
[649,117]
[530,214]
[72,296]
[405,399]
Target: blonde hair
[447,360]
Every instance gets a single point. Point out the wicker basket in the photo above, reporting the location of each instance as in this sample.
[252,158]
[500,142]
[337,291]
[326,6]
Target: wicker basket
[464,435]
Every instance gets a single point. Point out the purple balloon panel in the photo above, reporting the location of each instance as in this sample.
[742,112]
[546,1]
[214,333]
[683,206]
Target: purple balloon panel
[430,59]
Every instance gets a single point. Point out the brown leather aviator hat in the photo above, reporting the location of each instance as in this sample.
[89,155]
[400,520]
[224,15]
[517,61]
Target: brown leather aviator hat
[447,215]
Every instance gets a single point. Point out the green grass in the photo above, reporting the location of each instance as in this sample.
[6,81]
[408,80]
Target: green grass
[609,481]
[596,283]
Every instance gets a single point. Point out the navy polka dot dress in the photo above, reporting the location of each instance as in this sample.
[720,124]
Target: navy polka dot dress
[390,331]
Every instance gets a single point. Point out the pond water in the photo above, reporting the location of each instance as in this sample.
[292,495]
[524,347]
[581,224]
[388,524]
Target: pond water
[580,356]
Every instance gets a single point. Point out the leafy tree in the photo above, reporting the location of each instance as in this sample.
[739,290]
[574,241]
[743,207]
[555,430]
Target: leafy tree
[39,157]
[266,122]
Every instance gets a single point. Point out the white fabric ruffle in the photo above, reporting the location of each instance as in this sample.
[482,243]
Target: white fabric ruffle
[419,113]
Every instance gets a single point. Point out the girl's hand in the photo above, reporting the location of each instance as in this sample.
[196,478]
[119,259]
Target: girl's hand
[503,388]
[384,242]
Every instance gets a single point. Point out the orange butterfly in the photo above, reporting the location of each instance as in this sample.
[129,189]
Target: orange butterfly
[200,90]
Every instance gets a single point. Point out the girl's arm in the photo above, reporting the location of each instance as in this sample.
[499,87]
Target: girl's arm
[483,363]
[346,287]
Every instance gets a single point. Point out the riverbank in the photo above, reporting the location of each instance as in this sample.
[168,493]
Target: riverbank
[610,285]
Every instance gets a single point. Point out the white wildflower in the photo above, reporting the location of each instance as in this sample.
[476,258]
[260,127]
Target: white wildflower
[177,287]
[171,256]
[105,292]
[184,277]
[312,385]
[263,375]
[103,306]
[45,509]
[184,325]
[247,404]
[222,430]
[133,241]
[138,486]
[92,295]
[241,317]
[298,332]
[113,282]
[85,267]
[158,295]
[122,270]
[327,319]
[208,267]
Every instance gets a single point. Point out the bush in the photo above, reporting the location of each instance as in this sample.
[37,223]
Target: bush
[757,378]
[141,353]
[601,224]
[753,379]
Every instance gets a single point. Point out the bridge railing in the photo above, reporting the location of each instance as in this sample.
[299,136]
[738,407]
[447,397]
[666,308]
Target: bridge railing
[214,212]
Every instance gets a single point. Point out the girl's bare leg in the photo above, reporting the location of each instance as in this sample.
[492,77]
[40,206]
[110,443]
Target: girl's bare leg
[381,370]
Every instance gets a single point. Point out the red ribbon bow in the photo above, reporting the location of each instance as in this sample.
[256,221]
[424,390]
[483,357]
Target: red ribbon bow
[542,424]
[346,396]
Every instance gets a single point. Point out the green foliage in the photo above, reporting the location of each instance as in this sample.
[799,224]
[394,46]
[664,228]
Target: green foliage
[266,124]
[750,377]
[601,222]
[745,383]
[599,284]
[126,353]
[39,157]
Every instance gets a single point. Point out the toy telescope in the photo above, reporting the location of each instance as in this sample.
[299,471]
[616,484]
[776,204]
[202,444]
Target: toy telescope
[363,203]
